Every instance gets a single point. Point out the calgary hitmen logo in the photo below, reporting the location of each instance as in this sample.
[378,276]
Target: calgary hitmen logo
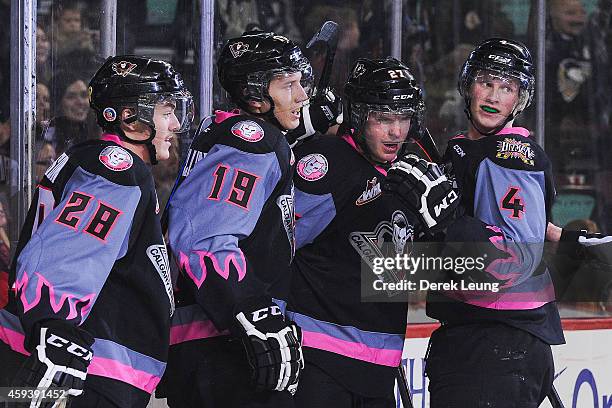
[387,240]
[371,193]
[513,149]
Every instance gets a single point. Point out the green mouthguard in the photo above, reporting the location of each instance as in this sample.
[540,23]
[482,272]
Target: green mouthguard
[489,109]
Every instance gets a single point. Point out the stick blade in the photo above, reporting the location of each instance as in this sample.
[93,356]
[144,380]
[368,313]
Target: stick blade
[328,33]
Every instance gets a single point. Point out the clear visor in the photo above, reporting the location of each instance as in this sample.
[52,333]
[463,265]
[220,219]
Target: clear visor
[511,83]
[179,102]
[395,121]
[306,81]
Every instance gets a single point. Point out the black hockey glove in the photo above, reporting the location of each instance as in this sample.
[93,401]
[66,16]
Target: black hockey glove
[60,360]
[318,116]
[423,188]
[274,348]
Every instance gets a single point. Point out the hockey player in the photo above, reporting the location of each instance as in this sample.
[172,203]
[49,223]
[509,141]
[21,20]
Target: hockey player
[352,349]
[231,229]
[92,298]
[493,348]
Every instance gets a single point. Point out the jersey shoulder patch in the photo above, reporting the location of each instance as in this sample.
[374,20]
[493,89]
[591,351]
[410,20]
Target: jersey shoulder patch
[248,134]
[248,130]
[111,161]
[116,158]
[312,167]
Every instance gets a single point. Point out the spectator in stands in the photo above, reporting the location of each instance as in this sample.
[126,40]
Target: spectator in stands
[43,52]
[577,87]
[74,44]
[269,15]
[72,120]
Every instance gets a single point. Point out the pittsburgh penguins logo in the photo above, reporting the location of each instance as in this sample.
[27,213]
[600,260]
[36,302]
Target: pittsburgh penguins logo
[123,68]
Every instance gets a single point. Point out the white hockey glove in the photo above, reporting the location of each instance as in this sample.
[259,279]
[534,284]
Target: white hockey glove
[424,189]
[318,116]
[60,360]
[273,347]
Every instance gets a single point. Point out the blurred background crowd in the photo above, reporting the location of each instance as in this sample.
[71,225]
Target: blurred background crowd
[437,37]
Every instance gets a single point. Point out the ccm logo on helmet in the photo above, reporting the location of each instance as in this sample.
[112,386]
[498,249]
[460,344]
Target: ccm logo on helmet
[499,58]
[396,97]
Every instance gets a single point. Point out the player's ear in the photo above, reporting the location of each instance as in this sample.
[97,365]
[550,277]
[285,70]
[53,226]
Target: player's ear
[258,106]
[128,119]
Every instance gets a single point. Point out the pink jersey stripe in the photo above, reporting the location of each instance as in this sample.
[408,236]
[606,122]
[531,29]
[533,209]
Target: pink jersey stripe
[105,367]
[194,331]
[350,349]
[514,131]
[14,340]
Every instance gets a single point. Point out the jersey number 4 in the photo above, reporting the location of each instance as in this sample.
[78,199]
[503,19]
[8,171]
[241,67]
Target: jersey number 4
[513,203]
[242,186]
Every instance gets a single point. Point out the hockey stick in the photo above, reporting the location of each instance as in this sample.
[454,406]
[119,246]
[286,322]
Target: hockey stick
[424,140]
[328,35]
[402,385]
[554,399]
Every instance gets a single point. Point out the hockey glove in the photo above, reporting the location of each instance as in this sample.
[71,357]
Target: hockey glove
[60,360]
[424,189]
[318,116]
[273,348]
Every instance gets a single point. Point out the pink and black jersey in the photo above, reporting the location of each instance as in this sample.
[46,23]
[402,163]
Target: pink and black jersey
[344,221]
[231,225]
[91,253]
[507,193]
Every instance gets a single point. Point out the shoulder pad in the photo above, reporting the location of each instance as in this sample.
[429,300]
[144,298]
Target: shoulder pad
[109,160]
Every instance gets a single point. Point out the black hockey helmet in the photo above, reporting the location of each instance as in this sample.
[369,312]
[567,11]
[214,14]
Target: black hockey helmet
[248,63]
[383,85]
[503,57]
[139,83]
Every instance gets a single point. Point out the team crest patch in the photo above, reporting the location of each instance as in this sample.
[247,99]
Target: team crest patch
[238,48]
[312,167]
[123,68]
[248,130]
[390,238]
[116,158]
[513,149]
[371,193]
[109,114]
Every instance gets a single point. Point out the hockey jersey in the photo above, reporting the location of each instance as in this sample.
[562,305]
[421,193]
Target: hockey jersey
[343,222]
[507,189]
[91,252]
[231,225]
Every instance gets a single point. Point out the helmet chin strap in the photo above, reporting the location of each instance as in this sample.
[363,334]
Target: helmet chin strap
[268,116]
[147,142]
